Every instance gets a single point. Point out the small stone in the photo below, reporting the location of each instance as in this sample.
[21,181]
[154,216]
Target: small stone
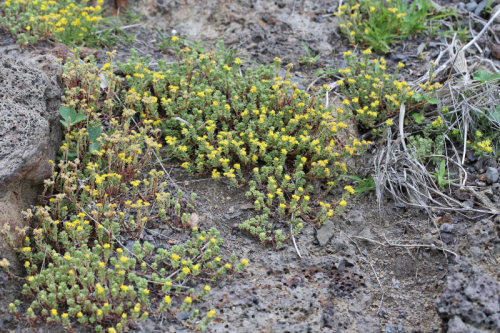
[479,164]
[471,6]
[446,237]
[440,267]
[447,227]
[480,7]
[330,10]
[490,162]
[491,175]
[460,195]
[480,183]
[495,49]
[325,233]
[468,203]
[390,328]
[482,177]
[319,19]
[470,154]
[400,328]
[494,11]
[383,313]
[281,4]
[488,192]
[461,5]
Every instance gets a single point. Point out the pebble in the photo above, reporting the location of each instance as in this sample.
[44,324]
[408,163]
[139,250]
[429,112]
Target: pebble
[480,7]
[461,5]
[494,11]
[468,203]
[331,10]
[491,175]
[390,328]
[447,227]
[320,19]
[325,233]
[471,6]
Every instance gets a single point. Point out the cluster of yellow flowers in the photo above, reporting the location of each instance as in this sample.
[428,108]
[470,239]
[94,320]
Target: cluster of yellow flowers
[376,24]
[373,94]
[68,21]
[93,197]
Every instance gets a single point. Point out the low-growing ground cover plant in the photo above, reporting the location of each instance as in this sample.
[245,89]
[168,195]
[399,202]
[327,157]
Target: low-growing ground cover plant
[256,129]
[374,95]
[378,24]
[67,21]
[104,187]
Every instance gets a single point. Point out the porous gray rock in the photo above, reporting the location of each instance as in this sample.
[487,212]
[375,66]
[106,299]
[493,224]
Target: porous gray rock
[456,325]
[470,301]
[357,220]
[30,135]
[481,234]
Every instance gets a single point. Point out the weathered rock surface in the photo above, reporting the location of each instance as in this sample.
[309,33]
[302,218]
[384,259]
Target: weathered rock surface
[30,135]
[470,301]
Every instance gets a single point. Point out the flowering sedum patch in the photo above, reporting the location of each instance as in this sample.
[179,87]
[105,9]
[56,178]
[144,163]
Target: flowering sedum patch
[104,188]
[378,24]
[373,95]
[68,21]
[253,127]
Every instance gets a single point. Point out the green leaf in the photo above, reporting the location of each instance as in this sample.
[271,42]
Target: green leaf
[79,117]
[306,48]
[94,133]
[482,76]
[418,97]
[356,178]
[320,72]
[67,112]
[94,147]
[495,76]
[431,100]
[419,118]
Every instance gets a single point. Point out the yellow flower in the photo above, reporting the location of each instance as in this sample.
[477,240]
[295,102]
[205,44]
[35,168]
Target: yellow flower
[210,314]
[207,288]
[389,122]
[186,270]
[175,39]
[343,203]
[54,312]
[167,299]
[244,262]
[188,300]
